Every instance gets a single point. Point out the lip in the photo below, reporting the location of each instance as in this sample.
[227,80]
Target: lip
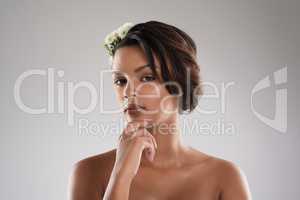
[133,108]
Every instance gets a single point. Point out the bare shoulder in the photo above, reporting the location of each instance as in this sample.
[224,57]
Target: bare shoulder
[222,168]
[228,177]
[232,180]
[102,160]
[88,176]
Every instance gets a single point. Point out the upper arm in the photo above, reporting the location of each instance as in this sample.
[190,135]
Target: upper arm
[81,184]
[234,183]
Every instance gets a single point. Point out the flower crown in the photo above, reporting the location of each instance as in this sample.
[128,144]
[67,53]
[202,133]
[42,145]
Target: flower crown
[113,38]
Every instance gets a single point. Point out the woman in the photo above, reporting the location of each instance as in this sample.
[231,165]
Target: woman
[156,78]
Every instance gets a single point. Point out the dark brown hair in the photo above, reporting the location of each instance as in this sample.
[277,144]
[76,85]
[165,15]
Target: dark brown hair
[176,52]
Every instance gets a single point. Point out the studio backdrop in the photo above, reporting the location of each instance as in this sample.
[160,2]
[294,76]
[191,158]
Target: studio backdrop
[57,104]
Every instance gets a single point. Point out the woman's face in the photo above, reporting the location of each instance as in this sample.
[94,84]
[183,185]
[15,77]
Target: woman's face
[130,76]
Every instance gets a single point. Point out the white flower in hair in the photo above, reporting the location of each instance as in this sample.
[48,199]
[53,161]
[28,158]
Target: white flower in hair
[123,30]
[113,38]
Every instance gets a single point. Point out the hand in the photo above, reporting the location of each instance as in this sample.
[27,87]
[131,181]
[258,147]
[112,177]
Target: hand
[133,142]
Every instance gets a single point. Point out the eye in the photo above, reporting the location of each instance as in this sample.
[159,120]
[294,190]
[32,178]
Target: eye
[148,78]
[119,81]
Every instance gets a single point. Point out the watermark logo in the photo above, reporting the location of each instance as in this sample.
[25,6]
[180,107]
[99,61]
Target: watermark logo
[189,127]
[278,78]
[61,95]
[57,90]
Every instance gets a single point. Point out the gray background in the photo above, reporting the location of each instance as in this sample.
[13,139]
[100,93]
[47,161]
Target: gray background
[240,41]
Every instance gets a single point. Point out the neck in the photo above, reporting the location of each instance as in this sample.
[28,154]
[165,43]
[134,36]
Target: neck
[170,148]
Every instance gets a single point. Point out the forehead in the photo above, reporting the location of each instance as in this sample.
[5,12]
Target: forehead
[120,69]
[131,60]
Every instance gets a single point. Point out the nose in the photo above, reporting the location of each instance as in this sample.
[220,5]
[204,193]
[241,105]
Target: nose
[130,92]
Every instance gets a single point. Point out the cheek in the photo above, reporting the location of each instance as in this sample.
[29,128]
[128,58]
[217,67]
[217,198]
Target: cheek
[168,102]
[151,91]
[157,98]
[119,94]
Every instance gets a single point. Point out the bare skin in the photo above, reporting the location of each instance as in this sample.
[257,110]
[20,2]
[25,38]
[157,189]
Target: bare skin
[153,164]
[201,177]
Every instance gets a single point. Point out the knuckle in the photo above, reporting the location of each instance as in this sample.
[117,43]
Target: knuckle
[138,140]
[143,131]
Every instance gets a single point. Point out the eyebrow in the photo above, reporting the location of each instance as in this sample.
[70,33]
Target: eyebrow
[136,70]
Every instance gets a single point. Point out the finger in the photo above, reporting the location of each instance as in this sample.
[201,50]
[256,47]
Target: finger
[139,132]
[128,131]
[140,141]
[153,139]
[144,132]
[135,125]
[148,148]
